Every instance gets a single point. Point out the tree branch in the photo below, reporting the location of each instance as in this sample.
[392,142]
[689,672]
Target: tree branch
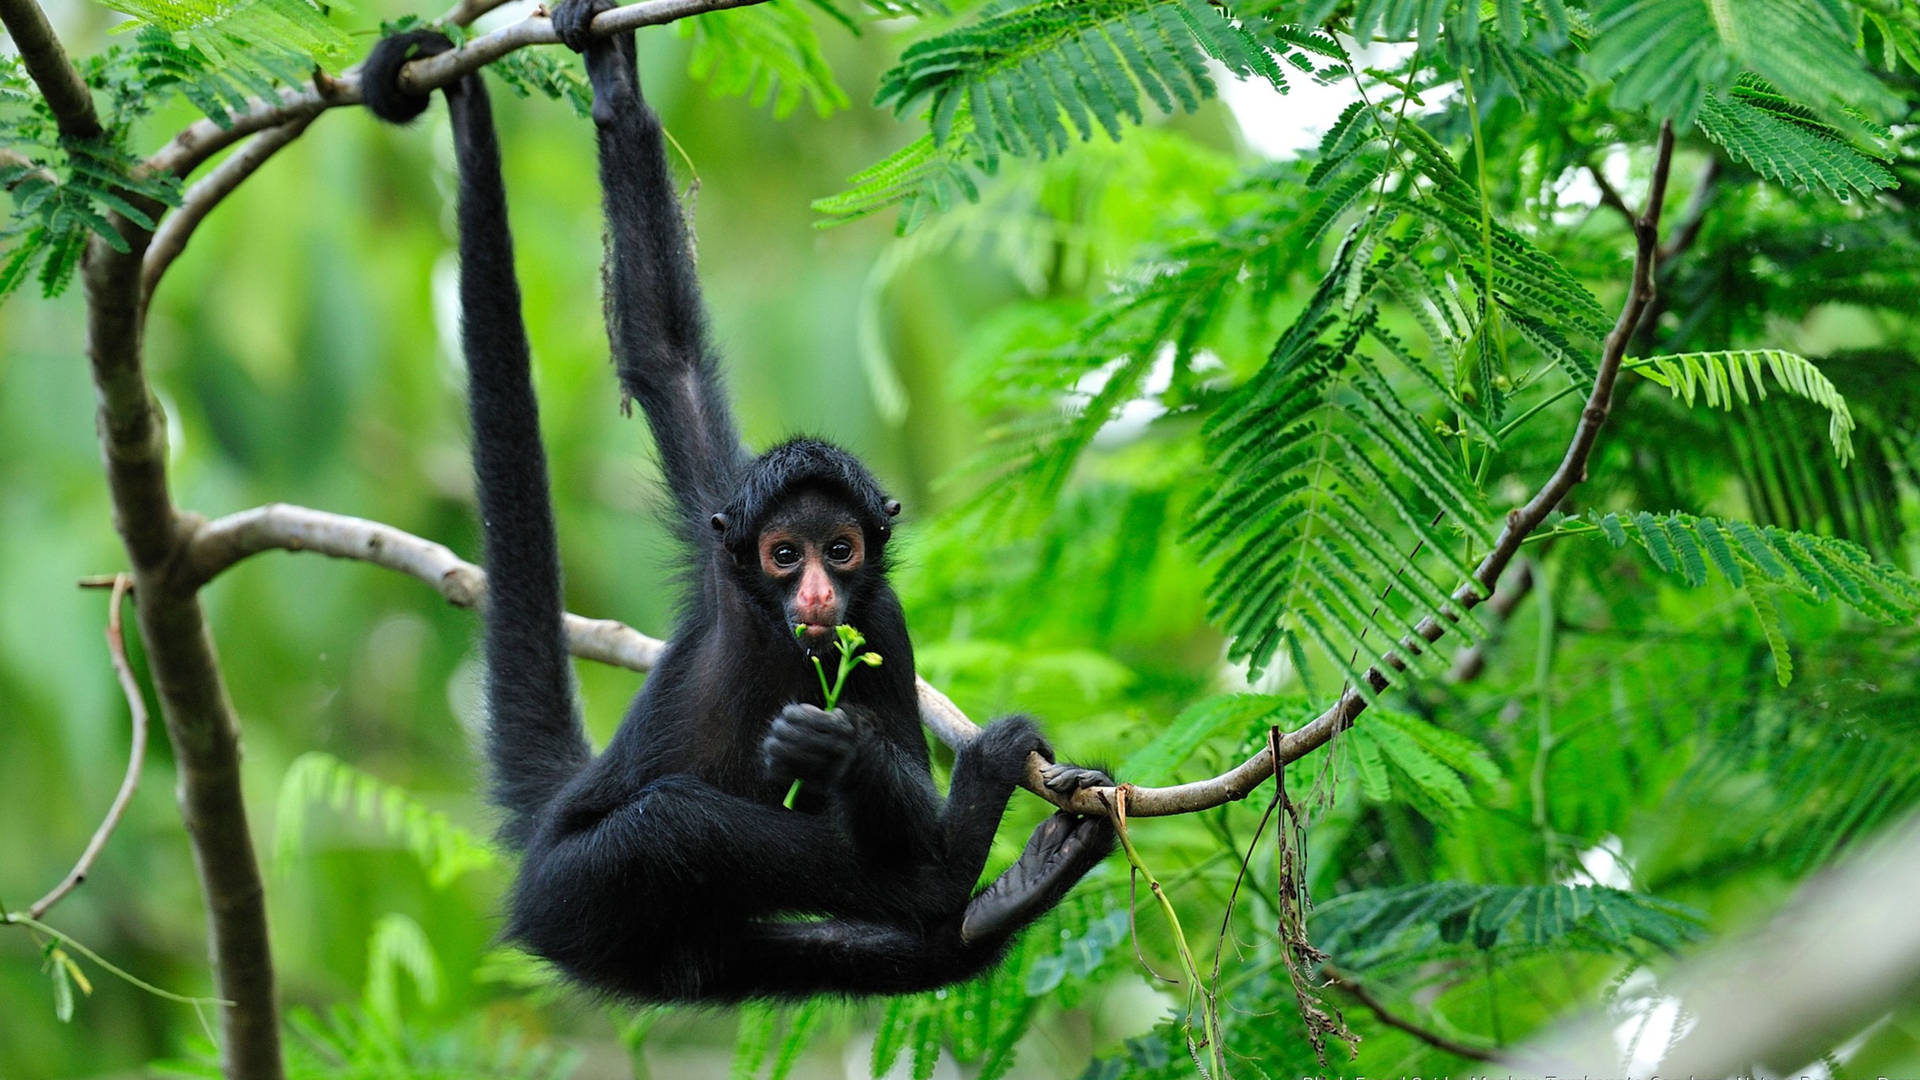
[170,239]
[136,753]
[186,674]
[217,545]
[203,138]
[47,64]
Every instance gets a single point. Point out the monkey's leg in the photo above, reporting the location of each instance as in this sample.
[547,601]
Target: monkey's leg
[618,878]
[1058,854]
[839,956]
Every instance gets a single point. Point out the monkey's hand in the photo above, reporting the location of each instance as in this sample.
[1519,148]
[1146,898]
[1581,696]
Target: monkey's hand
[573,21]
[805,743]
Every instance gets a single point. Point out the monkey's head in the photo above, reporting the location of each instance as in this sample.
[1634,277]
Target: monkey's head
[807,530]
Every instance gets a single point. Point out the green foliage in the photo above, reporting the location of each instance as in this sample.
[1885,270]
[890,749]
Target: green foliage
[1668,55]
[445,850]
[1380,931]
[251,35]
[1723,378]
[58,208]
[1158,761]
[1019,68]
[1024,79]
[767,53]
[217,71]
[1808,776]
[349,1044]
[549,74]
[1401,758]
[1819,568]
[1293,452]
[1785,141]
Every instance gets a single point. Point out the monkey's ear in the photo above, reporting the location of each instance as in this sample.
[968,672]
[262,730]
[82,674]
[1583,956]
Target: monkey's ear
[719,522]
[892,508]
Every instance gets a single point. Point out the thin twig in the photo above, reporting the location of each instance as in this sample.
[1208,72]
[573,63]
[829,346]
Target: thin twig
[1386,1016]
[136,753]
[15,159]
[1687,230]
[1609,195]
[170,239]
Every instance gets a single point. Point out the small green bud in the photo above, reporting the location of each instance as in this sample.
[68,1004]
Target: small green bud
[871,659]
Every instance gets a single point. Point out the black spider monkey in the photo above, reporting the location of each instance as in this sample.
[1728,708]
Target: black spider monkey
[666,869]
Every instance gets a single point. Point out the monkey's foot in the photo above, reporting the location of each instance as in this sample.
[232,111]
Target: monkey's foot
[1064,779]
[573,21]
[1059,853]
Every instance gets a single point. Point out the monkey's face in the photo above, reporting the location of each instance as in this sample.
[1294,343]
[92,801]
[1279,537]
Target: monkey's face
[813,552]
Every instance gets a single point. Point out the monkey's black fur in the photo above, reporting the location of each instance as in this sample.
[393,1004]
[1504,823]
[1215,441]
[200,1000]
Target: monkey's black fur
[666,868]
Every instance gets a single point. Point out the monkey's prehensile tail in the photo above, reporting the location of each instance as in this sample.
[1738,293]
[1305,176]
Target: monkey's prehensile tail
[535,739]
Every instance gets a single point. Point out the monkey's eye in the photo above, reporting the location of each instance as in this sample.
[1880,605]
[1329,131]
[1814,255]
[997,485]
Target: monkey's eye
[840,551]
[785,556]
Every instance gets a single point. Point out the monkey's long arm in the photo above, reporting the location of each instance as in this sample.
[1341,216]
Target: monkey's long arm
[535,740]
[654,312]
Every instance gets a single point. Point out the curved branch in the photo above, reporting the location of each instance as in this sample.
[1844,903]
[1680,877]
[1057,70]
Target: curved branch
[136,753]
[203,138]
[47,64]
[219,544]
[170,239]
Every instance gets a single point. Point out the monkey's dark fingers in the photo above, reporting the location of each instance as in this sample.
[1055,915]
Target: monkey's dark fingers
[1064,779]
[806,743]
[573,21]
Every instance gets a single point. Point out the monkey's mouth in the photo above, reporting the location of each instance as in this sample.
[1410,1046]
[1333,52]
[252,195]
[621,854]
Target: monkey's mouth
[813,635]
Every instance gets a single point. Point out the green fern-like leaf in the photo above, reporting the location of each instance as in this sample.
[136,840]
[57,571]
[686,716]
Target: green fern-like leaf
[1820,568]
[399,946]
[1769,619]
[1384,930]
[255,38]
[1315,458]
[446,850]
[1402,758]
[548,73]
[1668,55]
[58,208]
[922,179]
[764,53]
[1034,75]
[1785,142]
[1722,378]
